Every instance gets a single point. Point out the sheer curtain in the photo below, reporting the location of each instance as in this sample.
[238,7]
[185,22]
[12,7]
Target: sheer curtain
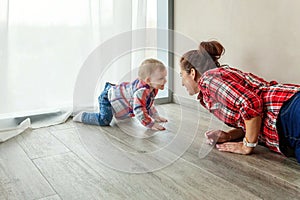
[45,42]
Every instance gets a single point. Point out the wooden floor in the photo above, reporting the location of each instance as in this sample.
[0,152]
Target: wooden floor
[75,161]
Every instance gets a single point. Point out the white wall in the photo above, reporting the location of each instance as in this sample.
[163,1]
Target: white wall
[260,36]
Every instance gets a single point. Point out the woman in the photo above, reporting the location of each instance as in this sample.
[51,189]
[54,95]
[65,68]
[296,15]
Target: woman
[259,111]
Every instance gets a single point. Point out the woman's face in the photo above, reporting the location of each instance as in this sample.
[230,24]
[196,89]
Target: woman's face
[188,81]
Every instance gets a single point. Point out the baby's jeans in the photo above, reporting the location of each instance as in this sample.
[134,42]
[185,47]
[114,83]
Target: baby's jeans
[289,125]
[105,115]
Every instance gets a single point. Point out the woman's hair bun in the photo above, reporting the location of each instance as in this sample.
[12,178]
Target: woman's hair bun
[213,48]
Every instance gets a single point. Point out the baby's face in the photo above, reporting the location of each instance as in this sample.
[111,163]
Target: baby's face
[158,79]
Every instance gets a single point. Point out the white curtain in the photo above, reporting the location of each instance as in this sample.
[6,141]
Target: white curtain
[45,42]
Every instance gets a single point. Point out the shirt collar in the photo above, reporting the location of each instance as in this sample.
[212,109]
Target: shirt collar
[142,83]
[200,95]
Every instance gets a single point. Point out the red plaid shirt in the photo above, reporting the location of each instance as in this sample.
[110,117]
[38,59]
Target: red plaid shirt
[234,96]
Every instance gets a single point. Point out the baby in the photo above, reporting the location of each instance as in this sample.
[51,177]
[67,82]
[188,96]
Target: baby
[131,99]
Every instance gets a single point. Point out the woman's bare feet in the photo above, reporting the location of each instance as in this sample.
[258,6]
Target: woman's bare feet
[217,136]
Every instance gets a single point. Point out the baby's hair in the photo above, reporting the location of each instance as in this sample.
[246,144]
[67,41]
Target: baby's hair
[148,66]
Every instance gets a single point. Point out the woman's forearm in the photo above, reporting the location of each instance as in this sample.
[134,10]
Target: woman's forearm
[251,136]
[252,130]
[253,126]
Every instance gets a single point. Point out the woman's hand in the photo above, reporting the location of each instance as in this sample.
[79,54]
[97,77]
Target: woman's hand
[217,136]
[235,147]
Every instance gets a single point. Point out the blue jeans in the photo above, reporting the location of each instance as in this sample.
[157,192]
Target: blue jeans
[105,115]
[289,127]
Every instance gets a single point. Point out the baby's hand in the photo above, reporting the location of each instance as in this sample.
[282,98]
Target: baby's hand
[158,127]
[160,119]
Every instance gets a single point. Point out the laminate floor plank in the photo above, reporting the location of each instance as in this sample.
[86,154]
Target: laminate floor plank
[73,179]
[134,186]
[19,177]
[265,173]
[40,143]
[237,170]
[276,179]
[54,197]
[159,184]
[127,161]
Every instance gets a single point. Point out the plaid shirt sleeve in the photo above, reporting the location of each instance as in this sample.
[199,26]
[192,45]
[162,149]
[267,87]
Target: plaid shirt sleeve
[140,107]
[153,112]
[231,96]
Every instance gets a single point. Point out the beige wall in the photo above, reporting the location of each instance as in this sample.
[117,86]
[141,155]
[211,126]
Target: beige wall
[260,36]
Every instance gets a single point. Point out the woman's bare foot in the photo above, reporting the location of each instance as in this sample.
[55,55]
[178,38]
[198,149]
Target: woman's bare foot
[217,136]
